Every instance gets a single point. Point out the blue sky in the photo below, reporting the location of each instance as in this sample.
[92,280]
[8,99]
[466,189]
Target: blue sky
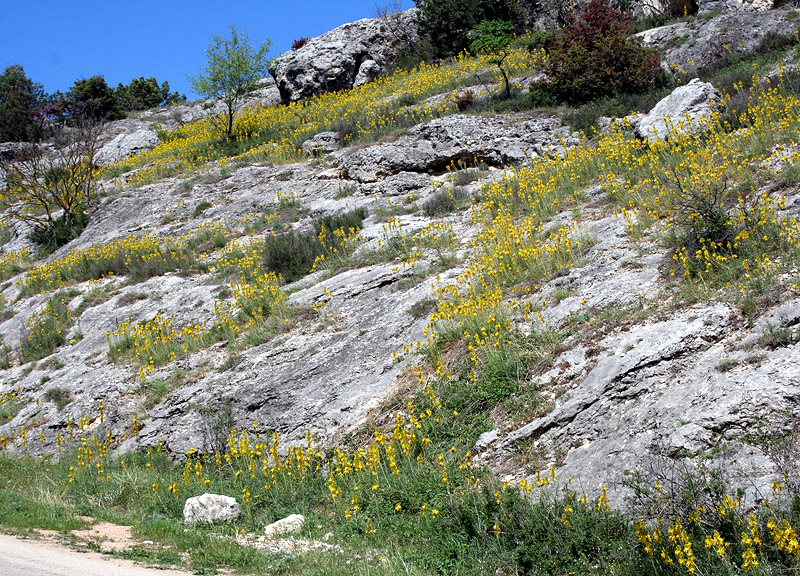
[58,42]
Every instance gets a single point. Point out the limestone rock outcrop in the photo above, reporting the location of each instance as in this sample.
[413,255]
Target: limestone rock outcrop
[434,146]
[346,56]
[686,47]
[126,145]
[684,109]
[291,525]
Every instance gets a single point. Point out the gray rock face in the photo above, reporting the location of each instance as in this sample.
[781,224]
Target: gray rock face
[126,145]
[703,43]
[435,145]
[212,508]
[683,110]
[338,59]
[322,143]
[658,390]
[10,151]
[367,72]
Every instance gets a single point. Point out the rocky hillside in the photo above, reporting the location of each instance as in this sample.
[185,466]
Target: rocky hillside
[502,256]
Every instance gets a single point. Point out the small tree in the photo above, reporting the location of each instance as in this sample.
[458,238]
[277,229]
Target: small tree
[494,36]
[234,69]
[53,191]
[596,56]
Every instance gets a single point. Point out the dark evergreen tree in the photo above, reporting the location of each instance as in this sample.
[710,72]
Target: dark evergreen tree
[20,99]
[143,93]
[447,23]
[91,99]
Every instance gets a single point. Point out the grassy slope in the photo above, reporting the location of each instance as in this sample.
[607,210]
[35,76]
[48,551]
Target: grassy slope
[408,492]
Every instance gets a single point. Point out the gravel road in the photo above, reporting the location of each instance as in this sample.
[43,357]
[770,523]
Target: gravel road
[37,558]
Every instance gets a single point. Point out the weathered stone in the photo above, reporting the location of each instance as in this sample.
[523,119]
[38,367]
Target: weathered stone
[289,526]
[485,440]
[322,143]
[10,151]
[338,59]
[436,145]
[126,145]
[686,109]
[367,72]
[212,508]
[687,47]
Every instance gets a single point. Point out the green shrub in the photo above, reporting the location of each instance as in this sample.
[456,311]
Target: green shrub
[448,22]
[63,230]
[202,207]
[596,56]
[445,201]
[293,254]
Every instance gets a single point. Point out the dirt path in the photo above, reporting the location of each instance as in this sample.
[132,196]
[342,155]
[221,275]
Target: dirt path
[20,557]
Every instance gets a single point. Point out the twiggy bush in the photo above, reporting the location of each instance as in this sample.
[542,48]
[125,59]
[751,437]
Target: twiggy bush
[53,192]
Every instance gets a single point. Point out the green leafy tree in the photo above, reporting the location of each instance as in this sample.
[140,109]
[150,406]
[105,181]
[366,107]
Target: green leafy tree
[20,98]
[144,93]
[448,22]
[596,55]
[494,36]
[92,100]
[234,69]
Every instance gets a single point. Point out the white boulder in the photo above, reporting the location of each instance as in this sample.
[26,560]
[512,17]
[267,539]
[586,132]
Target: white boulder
[683,110]
[292,524]
[212,508]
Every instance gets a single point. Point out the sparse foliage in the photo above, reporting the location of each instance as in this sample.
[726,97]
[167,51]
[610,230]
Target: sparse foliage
[300,42]
[234,69]
[52,191]
[494,36]
[403,30]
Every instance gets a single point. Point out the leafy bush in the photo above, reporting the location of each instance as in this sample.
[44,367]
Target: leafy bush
[596,56]
[93,100]
[20,97]
[61,231]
